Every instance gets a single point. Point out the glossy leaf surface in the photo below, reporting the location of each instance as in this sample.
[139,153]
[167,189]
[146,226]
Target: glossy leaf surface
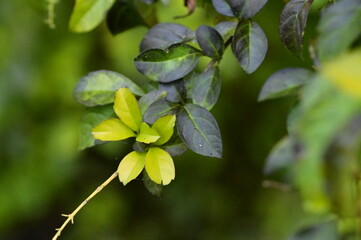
[175,90]
[210,41]
[159,166]
[158,110]
[226,29]
[112,130]
[239,8]
[131,166]
[145,101]
[147,134]
[164,127]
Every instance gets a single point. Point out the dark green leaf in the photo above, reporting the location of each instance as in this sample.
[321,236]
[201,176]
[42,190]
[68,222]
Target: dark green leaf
[148,1]
[189,82]
[292,24]
[322,231]
[175,146]
[339,27]
[176,90]
[284,83]
[249,45]
[167,66]
[140,147]
[92,118]
[159,109]
[152,187]
[210,41]
[239,8]
[145,101]
[226,29]
[98,88]
[199,130]
[207,87]
[163,35]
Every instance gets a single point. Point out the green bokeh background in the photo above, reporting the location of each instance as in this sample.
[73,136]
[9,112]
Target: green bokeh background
[42,173]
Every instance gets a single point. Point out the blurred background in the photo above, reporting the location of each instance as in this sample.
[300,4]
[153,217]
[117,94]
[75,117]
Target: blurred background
[43,174]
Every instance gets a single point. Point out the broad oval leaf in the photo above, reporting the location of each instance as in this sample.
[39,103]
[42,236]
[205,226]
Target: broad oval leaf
[210,41]
[159,166]
[159,109]
[112,130]
[239,8]
[164,127]
[88,14]
[226,29]
[292,24]
[167,66]
[131,166]
[127,109]
[176,90]
[284,83]
[98,88]
[249,45]
[199,131]
[164,35]
[207,87]
[145,101]
[147,135]
[345,16]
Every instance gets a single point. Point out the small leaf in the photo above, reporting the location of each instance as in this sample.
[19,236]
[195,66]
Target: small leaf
[292,24]
[147,134]
[167,66]
[112,130]
[88,14]
[321,231]
[152,187]
[145,101]
[226,29]
[164,127]
[239,8]
[207,87]
[284,83]
[159,109]
[175,146]
[159,166]
[199,130]
[163,35]
[176,90]
[98,88]
[249,45]
[126,107]
[210,41]
[131,166]
[345,16]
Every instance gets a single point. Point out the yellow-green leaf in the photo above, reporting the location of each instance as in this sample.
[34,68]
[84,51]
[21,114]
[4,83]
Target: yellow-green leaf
[112,130]
[159,166]
[131,166]
[164,126]
[147,134]
[127,109]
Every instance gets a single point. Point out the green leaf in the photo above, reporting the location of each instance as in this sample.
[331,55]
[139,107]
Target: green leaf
[159,166]
[112,130]
[207,87]
[92,118]
[284,83]
[339,27]
[131,166]
[88,14]
[239,8]
[226,29]
[321,231]
[164,127]
[176,90]
[159,109]
[293,23]
[249,45]
[199,130]
[145,101]
[167,66]
[210,41]
[98,88]
[163,35]
[175,146]
[147,134]
[152,187]
[127,109]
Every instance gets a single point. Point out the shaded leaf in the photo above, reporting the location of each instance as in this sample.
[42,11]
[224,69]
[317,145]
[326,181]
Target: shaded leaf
[159,109]
[147,134]
[175,146]
[176,90]
[249,45]
[87,14]
[199,130]
[131,166]
[167,66]
[321,231]
[163,35]
[164,127]
[210,41]
[292,24]
[145,101]
[239,8]
[98,88]
[112,130]
[159,166]
[284,83]
[226,29]
[152,187]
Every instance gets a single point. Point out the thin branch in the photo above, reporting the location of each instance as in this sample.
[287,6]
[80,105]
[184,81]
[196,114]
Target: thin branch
[70,217]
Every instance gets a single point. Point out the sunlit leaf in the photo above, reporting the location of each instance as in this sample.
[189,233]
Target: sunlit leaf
[145,101]
[159,109]
[131,166]
[176,90]
[249,45]
[127,109]
[88,14]
[98,88]
[167,66]
[164,127]
[226,29]
[199,130]
[292,24]
[239,8]
[112,130]
[159,166]
[210,41]
[147,134]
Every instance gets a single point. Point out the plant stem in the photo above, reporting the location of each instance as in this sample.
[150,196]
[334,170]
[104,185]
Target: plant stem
[70,217]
